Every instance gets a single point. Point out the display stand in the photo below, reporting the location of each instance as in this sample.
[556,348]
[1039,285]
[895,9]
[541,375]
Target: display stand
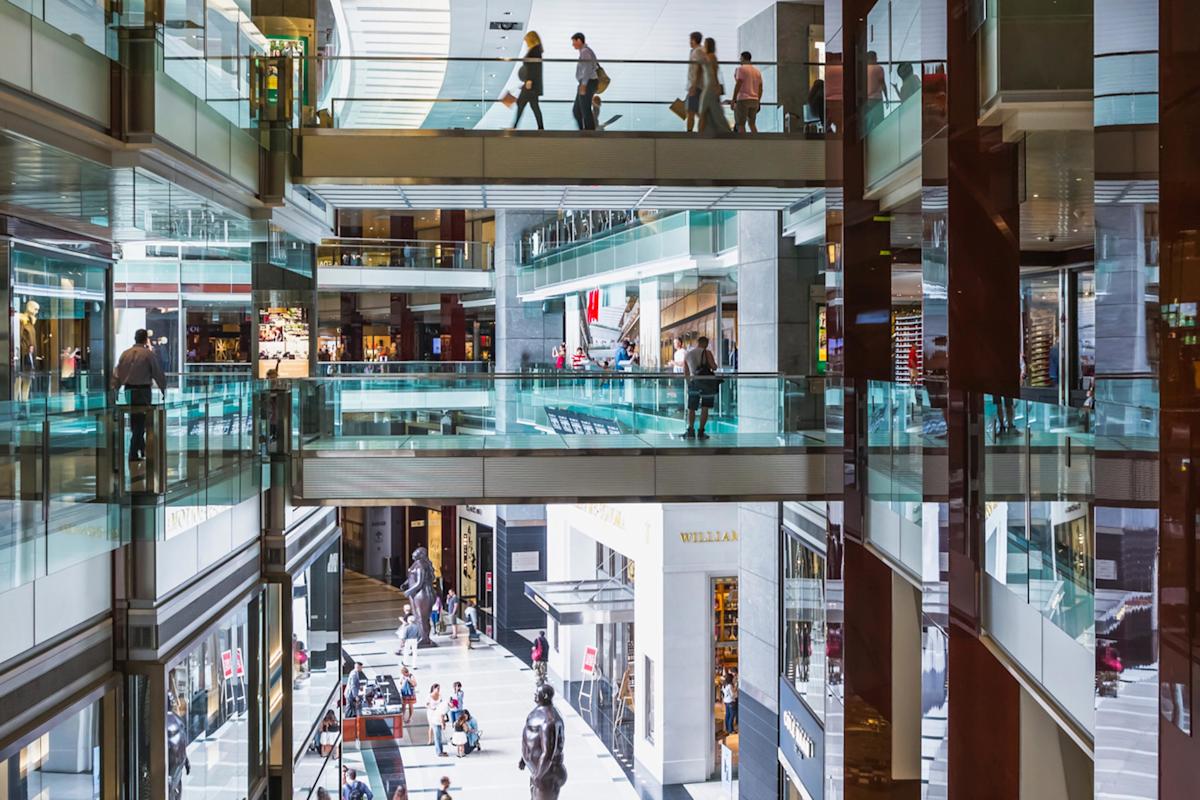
[624,697]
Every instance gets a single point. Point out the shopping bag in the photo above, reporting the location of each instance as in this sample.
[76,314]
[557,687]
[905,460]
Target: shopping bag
[679,108]
[508,100]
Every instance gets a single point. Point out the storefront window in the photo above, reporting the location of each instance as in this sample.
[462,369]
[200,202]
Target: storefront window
[804,635]
[63,762]
[58,324]
[207,720]
[316,647]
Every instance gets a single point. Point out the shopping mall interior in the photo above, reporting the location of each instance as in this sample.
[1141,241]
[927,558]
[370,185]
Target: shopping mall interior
[663,400]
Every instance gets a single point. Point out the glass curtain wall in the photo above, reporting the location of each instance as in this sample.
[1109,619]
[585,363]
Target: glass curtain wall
[316,644]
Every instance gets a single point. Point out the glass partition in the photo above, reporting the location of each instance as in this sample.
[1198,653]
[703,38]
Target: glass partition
[804,629]
[64,760]
[316,645]
[404,254]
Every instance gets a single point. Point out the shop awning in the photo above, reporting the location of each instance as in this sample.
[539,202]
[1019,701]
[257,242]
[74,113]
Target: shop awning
[587,602]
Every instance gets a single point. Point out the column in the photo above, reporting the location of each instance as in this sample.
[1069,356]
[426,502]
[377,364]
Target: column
[1179,437]
[520,556]
[649,324]
[403,327]
[526,333]
[453,325]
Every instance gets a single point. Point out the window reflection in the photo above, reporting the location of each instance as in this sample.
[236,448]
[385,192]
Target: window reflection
[806,643]
[63,762]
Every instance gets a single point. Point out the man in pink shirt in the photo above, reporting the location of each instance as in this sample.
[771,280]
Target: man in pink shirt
[747,95]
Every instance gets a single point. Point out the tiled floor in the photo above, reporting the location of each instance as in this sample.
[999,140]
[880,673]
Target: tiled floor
[499,693]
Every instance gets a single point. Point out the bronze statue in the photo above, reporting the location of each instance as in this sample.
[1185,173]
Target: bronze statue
[420,591]
[542,746]
[177,758]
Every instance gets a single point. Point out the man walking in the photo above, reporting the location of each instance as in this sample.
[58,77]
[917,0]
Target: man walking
[412,637]
[472,624]
[355,789]
[136,370]
[695,77]
[452,604]
[747,95]
[541,656]
[587,75]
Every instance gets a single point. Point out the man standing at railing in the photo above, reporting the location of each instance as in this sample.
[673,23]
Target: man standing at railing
[137,370]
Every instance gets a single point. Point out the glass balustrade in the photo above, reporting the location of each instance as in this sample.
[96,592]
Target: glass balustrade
[332,368]
[435,93]
[404,254]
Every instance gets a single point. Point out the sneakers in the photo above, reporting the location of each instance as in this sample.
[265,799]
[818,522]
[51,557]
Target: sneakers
[689,434]
[702,435]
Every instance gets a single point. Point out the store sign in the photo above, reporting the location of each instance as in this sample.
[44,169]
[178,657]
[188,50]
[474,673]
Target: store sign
[589,661]
[526,561]
[801,742]
[482,514]
[488,580]
[227,663]
[707,537]
[239,666]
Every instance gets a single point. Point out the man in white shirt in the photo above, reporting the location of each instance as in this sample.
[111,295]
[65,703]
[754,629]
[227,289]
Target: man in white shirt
[695,79]
[678,357]
[698,366]
[587,76]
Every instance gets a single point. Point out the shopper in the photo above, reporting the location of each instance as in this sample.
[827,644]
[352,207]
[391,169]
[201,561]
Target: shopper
[621,357]
[444,792]
[328,735]
[910,82]
[452,604]
[699,369]
[435,615]
[466,734]
[354,689]
[876,88]
[579,361]
[355,789]
[322,793]
[401,792]
[435,711]
[137,370]
[587,76]
[677,358]
[540,655]
[712,115]
[531,80]
[747,95]
[408,693]
[457,701]
[695,77]
[472,624]
[729,701]
[409,634]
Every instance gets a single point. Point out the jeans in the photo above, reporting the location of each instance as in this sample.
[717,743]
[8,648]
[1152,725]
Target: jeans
[585,116]
[439,745]
[730,716]
[138,396]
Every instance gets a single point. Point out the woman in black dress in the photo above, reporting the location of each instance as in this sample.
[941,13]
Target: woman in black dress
[531,80]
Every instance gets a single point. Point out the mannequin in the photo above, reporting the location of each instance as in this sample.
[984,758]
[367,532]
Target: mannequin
[29,358]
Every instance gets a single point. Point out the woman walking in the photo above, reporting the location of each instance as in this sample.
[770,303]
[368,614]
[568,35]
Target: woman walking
[712,115]
[531,80]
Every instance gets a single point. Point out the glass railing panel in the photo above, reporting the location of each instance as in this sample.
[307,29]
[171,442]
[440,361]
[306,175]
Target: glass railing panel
[401,254]
[83,510]
[22,494]
[186,476]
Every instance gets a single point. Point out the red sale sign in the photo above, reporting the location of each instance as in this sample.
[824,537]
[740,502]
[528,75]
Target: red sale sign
[589,660]
[241,668]
[227,664]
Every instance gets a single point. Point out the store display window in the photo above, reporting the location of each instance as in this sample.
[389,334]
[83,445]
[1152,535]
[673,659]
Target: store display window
[316,648]
[209,692]
[58,324]
[62,761]
[1042,346]
[805,640]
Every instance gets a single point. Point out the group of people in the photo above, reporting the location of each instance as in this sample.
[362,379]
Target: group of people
[625,358]
[354,789]
[703,108]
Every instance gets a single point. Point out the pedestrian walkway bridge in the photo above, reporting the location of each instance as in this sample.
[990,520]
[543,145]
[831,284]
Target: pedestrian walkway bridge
[386,439]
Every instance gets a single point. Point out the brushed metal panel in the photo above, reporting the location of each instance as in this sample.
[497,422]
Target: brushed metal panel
[772,161]
[391,477]
[576,158]
[175,115]
[212,138]
[798,475]
[16,47]
[392,157]
[1127,480]
[244,152]
[569,476]
[70,73]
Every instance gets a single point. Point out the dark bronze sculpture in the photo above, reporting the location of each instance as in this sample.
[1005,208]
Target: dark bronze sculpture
[542,747]
[177,758]
[420,591]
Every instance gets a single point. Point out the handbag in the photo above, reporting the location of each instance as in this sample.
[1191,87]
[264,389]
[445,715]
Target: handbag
[602,80]
[679,108]
[508,100]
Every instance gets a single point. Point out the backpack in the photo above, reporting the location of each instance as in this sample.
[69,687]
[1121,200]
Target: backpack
[406,689]
[358,791]
[536,652]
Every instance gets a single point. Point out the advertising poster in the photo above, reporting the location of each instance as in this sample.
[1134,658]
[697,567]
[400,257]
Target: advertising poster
[283,342]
